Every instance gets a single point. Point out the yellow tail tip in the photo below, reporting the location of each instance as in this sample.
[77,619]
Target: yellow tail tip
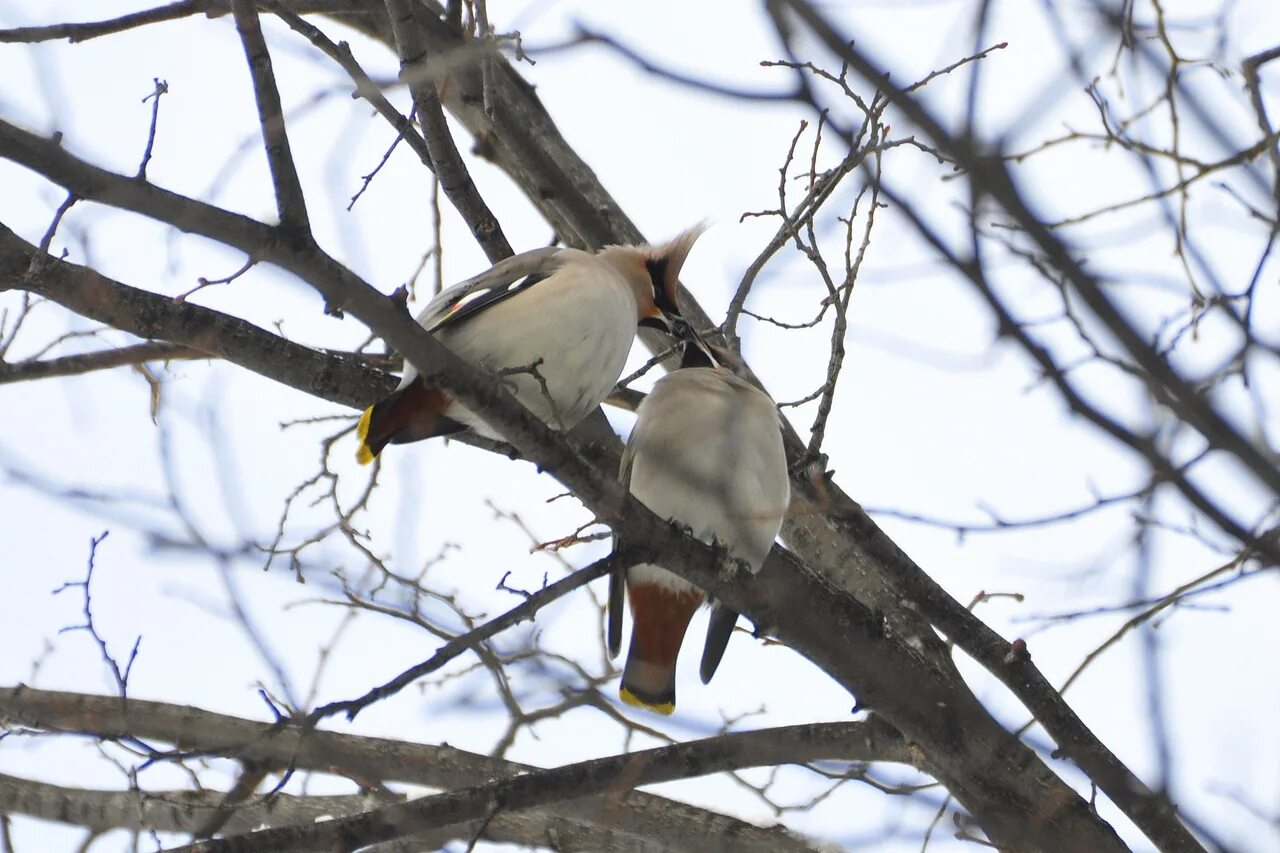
[629,698]
[363,454]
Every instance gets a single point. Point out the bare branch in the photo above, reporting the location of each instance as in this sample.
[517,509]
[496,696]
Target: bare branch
[992,177]
[74,365]
[523,140]
[587,36]
[1253,83]
[121,676]
[164,811]
[1148,809]
[470,640]
[365,87]
[536,788]
[290,202]
[640,816]
[340,378]
[86,31]
[162,86]
[447,162]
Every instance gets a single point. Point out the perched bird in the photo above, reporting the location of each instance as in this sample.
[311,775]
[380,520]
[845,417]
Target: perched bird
[706,452]
[555,325]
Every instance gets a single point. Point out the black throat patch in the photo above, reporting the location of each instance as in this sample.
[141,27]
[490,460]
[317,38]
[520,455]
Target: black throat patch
[696,354]
[657,268]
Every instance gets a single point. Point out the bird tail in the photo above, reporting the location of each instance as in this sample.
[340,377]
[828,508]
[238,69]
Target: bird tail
[719,629]
[365,453]
[412,413]
[659,618]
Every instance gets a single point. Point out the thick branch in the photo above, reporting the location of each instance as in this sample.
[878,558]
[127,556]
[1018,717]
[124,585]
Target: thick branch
[515,131]
[987,769]
[642,816]
[187,811]
[256,239]
[163,811]
[148,315]
[615,774]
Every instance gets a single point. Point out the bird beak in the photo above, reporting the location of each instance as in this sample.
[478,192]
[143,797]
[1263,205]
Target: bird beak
[668,323]
[659,322]
[697,352]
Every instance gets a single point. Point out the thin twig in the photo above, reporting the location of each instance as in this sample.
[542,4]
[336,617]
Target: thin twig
[85,31]
[74,365]
[202,282]
[161,87]
[368,179]
[463,643]
[121,676]
[340,53]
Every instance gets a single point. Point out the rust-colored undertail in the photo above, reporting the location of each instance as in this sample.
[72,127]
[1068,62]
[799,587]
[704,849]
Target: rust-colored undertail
[413,413]
[659,618]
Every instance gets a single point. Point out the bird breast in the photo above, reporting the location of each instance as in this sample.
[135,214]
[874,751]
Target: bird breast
[707,452]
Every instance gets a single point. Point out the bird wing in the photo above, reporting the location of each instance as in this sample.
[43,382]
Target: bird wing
[503,280]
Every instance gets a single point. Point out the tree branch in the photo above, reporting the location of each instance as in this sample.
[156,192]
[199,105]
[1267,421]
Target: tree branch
[164,811]
[93,29]
[616,774]
[462,643]
[291,205]
[640,816]
[445,159]
[186,811]
[990,175]
[337,378]
[365,87]
[74,365]
[1148,810]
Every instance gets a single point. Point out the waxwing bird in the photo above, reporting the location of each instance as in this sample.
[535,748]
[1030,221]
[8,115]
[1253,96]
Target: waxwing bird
[706,452]
[555,324]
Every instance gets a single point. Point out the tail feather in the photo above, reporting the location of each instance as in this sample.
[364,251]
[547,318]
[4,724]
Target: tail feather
[364,453]
[660,616]
[719,630]
[413,413]
[617,593]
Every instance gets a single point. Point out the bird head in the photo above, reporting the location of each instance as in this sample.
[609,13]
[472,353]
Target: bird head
[653,271]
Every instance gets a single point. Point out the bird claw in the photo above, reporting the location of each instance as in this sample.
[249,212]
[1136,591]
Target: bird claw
[682,528]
